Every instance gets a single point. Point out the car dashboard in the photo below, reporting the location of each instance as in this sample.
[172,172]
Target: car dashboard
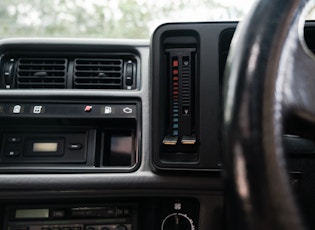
[115,134]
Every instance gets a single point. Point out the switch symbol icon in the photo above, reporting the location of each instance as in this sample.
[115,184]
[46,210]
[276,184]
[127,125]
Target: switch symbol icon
[127,110]
[37,109]
[88,108]
[17,109]
[108,110]
[177,206]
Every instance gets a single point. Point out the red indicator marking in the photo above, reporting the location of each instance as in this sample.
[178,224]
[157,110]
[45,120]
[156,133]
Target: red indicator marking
[88,108]
[175,71]
[175,63]
[175,92]
[175,88]
[175,83]
[175,78]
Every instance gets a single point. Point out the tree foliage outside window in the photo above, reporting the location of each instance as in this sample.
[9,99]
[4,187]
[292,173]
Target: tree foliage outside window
[106,18]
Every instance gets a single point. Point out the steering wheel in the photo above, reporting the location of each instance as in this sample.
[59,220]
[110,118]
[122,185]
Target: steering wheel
[269,76]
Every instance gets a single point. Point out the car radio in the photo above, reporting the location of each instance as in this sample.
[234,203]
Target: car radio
[121,216]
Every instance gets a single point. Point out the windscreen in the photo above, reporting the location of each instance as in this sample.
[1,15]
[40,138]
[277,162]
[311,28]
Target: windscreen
[109,18]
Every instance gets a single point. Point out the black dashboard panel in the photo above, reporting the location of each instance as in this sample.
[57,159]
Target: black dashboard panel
[108,124]
[65,146]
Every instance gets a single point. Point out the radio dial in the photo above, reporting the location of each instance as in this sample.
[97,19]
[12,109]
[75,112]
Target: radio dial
[177,221]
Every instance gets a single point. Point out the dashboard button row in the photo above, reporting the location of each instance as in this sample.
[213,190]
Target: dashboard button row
[38,110]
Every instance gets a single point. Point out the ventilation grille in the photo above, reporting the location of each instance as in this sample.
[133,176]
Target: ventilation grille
[98,73]
[41,73]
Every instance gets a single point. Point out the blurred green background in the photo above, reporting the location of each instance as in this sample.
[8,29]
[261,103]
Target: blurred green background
[108,18]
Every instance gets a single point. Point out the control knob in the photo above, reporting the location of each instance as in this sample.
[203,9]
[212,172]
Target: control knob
[177,221]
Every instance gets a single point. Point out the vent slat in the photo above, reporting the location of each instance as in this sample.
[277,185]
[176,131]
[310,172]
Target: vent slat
[42,84]
[98,73]
[37,68]
[46,81]
[46,78]
[98,84]
[97,70]
[48,74]
[44,73]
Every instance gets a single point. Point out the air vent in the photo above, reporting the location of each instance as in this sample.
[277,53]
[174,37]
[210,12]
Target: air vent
[98,73]
[41,73]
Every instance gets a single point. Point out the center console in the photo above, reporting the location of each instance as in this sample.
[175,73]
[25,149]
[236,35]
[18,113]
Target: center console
[128,214]
[62,136]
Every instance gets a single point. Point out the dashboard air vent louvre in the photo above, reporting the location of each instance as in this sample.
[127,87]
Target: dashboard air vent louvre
[98,73]
[41,73]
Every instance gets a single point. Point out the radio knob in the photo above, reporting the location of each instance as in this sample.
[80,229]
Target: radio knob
[121,227]
[177,221]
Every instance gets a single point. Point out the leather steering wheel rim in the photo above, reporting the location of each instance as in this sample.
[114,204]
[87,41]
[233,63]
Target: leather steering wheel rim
[268,76]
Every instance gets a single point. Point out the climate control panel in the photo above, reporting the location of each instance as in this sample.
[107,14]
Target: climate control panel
[186,100]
